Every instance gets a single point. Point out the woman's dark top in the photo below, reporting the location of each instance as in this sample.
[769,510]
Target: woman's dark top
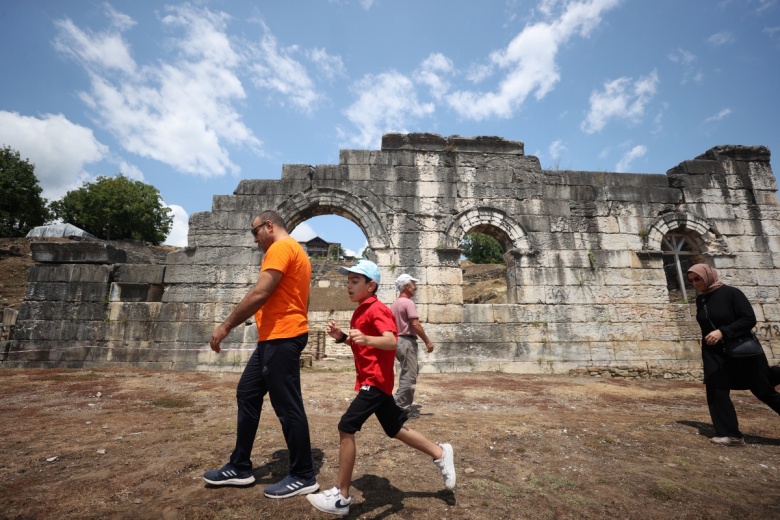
[730,311]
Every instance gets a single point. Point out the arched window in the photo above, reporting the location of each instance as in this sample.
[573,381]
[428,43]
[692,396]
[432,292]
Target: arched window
[680,251]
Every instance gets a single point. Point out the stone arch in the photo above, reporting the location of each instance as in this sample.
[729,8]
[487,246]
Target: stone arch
[502,227]
[330,201]
[707,238]
[512,236]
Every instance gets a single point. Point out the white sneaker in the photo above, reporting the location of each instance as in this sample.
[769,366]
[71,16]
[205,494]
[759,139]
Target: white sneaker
[331,501]
[446,465]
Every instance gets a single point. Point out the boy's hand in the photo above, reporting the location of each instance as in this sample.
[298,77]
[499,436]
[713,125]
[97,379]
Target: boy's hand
[358,337]
[333,331]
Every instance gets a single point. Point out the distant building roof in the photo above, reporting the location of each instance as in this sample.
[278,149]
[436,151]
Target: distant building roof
[58,230]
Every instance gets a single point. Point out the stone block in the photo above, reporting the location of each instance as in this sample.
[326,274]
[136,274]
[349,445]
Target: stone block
[72,292]
[77,253]
[139,273]
[50,273]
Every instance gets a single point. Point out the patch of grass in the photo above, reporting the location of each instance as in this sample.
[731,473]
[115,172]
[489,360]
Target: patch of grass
[75,376]
[551,482]
[171,402]
[664,490]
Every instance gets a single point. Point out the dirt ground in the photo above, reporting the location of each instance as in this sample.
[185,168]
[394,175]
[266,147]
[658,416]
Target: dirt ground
[121,443]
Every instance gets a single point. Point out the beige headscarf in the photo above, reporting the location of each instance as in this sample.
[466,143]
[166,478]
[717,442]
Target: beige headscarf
[709,275]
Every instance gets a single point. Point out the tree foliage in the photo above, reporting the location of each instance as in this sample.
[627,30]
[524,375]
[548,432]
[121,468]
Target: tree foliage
[115,208]
[21,205]
[482,249]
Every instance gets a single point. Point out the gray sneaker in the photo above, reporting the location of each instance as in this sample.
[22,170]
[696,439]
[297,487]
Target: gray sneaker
[446,465]
[227,475]
[290,486]
[728,441]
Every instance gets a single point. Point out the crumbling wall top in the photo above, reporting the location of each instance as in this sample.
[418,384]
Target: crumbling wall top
[737,152]
[436,143]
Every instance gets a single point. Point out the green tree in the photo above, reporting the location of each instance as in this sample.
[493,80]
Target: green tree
[115,208]
[21,205]
[482,249]
[336,252]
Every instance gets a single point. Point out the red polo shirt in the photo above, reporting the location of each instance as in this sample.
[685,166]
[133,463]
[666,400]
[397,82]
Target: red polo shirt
[374,366]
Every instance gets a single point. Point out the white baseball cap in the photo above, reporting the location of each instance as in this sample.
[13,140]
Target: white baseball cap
[404,279]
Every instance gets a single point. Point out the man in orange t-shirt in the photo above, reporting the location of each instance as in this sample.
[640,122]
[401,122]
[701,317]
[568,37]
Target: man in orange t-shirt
[279,302]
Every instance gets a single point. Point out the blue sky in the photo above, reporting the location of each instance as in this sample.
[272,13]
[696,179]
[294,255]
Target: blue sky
[193,97]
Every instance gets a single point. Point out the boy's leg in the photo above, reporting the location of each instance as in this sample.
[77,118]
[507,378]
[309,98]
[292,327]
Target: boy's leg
[441,453]
[392,418]
[347,454]
[419,442]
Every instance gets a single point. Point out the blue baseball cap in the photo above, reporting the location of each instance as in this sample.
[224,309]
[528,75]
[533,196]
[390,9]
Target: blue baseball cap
[364,267]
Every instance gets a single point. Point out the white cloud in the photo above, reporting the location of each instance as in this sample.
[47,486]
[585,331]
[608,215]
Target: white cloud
[303,232]
[556,149]
[720,115]
[682,56]
[95,51]
[478,73]
[330,66]
[529,59]
[634,153]
[690,69]
[180,228]
[276,69]
[621,99]
[180,112]
[129,170]
[58,148]
[385,103]
[433,72]
[763,5]
[721,38]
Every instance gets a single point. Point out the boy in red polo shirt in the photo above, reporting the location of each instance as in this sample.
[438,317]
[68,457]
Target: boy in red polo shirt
[372,336]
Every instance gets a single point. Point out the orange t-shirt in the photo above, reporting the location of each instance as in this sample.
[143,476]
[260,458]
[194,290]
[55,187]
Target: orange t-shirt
[284,314]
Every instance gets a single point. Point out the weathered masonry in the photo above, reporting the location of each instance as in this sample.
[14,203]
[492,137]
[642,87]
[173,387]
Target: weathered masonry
[595,260]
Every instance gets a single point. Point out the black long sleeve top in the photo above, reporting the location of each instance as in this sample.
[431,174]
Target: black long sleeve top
[729,310]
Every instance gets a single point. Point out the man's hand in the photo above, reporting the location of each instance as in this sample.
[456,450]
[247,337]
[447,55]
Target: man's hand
[219,334]
[429,346]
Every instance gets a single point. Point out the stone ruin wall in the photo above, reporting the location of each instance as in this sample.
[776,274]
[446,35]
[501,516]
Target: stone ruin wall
[585,277]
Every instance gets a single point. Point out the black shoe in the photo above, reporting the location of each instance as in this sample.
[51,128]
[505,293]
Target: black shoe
[227,475]
[290,486]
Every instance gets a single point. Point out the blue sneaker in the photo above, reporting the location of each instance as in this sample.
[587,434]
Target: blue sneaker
[290,486]
[227,475]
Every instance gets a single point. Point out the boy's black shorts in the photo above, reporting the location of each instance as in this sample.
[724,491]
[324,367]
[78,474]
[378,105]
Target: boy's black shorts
[369,401]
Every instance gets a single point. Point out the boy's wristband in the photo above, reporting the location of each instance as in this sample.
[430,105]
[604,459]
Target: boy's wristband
[343,338]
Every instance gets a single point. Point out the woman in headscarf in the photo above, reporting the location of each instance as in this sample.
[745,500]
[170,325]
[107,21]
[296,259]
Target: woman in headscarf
[724,314]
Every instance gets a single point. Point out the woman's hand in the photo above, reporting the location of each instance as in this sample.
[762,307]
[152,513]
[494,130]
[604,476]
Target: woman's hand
[714,337]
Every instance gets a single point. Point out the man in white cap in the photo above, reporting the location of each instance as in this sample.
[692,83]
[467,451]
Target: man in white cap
[409,329]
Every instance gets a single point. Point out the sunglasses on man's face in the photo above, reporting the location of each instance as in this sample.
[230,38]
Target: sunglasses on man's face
[256,229]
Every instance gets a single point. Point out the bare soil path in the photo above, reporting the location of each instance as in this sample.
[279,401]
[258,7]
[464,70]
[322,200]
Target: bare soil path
[121,443]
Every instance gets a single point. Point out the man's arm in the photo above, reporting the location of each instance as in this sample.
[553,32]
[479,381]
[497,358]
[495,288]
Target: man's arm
[418,328]
[249,304]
